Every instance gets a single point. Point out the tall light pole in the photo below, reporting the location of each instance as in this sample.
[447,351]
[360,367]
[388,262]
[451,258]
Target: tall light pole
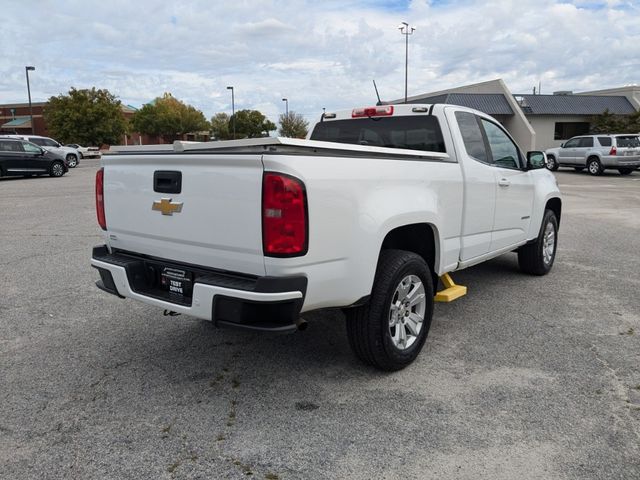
[406,31]
[27,69]
[233,111]
[286,106]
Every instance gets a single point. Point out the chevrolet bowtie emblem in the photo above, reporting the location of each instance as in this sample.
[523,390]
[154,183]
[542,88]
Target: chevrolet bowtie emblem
[167,207]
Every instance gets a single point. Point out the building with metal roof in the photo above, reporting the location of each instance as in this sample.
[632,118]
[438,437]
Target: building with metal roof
[537,121]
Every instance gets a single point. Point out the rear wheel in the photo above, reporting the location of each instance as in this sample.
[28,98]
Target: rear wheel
[594,166]
[72,160]
[552,163]
[390,330]
[57,169]
[625,171]
[537,258]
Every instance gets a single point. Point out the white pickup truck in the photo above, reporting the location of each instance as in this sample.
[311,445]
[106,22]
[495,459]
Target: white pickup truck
[365,215]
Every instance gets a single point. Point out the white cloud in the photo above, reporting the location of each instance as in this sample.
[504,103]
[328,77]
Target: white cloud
[317,54]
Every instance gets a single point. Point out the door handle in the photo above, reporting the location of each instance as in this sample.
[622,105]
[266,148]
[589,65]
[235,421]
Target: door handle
[503,182]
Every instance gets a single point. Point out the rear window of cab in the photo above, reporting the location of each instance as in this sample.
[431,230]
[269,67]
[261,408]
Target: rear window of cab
[415,132]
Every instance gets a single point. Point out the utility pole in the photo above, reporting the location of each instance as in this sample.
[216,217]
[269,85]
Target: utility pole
[286,108]
[406,31]
[27,70]
[233,111]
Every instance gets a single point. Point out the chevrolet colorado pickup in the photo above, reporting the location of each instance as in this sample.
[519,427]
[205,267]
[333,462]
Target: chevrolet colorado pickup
[365,215]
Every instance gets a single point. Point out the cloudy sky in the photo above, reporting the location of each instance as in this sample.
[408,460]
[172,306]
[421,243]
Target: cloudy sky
[315,53]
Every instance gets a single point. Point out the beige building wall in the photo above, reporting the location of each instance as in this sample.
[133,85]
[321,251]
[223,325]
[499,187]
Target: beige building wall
[545,127]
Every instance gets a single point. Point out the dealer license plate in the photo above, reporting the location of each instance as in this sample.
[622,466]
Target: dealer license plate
[176,281]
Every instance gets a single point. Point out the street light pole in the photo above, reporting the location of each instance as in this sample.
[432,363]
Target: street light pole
[233,111]
[27,69]
[286,108]
[406,31]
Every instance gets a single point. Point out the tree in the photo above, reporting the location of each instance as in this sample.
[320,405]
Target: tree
[607,123]
[87,117]
[252,124]
[293,125]
[610,123]
[221,127]
[168,117]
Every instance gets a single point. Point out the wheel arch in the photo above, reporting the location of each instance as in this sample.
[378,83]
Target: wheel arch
[419,238]
[555,205]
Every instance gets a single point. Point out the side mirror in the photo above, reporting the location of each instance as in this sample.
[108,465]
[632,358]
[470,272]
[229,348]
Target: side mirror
[536,160]
[43,151]
[562,145]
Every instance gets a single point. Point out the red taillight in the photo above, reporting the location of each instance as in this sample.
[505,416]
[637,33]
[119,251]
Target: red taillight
[613,151]
[102,220]
[284,216]
[372,112]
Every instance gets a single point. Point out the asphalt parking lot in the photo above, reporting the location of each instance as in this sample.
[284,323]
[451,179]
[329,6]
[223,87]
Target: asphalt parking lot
[523,378]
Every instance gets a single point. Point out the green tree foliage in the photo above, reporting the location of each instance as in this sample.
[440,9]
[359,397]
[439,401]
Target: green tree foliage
[221,126]
[168,117]
[87,117]
[293,125]
[251,124]
[610,123]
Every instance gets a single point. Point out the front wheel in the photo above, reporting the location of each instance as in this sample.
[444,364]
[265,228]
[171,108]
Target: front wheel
[390,330]
[625,171]
[57,169]
[537,258]
[72,160]
[552,163]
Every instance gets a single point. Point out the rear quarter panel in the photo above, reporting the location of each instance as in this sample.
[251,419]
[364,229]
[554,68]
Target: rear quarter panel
[353,204]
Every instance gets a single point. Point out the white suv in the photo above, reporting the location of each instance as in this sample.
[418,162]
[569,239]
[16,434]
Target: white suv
[597,153]
[70,154]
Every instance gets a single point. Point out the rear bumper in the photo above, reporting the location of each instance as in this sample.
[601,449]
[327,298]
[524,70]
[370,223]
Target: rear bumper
[620,161]
[256,303]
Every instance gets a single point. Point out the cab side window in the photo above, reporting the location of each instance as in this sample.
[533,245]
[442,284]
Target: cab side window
[472,136]
[504,152]
[37,141]
[8,146]
[30,147]
[573,143]
[586,142]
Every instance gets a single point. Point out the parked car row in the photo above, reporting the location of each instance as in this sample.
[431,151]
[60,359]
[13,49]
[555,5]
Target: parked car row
[27,155]
[19,157]
[597,153]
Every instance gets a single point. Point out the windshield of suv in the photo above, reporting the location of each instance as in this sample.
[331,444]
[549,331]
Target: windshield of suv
[415,132]
[630,141]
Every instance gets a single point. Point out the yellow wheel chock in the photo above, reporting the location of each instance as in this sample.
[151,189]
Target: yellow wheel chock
[451,291]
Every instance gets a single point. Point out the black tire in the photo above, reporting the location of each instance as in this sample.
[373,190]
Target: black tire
[552,163]
[57,169]
[531,257]
[594,166]
[72,160]
[578,169]
[368,326]
[625,171]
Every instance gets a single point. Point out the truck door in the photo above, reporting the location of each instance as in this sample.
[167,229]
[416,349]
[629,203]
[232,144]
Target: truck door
[479,184]
[584,147]
[514,189]
[567,154]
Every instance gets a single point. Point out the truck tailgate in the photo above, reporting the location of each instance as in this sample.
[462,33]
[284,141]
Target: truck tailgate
[219,225]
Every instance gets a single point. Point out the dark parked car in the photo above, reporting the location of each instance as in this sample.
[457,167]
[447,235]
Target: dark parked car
[22,158]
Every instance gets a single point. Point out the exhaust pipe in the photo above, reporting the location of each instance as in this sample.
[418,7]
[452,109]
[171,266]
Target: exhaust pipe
[301,324]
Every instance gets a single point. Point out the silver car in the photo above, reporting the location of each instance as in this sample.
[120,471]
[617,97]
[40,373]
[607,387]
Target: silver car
[597,153]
